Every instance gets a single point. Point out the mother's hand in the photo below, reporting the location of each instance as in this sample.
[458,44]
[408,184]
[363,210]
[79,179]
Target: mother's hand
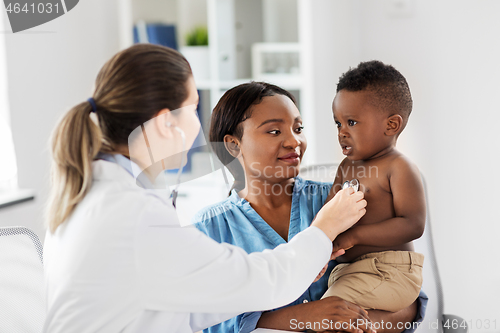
[328,313]
[340,213]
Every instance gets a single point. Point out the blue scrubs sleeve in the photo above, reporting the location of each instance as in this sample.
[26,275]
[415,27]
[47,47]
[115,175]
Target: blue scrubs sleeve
[249,321]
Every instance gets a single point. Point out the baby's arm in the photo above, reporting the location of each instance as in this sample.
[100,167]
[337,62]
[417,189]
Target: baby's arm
[409,207]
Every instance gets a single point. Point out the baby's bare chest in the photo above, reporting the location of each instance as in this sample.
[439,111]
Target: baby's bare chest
[374,182]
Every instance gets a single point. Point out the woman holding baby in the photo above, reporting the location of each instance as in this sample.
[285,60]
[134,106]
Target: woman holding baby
[256,131]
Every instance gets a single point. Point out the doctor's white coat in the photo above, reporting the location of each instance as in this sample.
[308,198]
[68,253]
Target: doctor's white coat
[122,263]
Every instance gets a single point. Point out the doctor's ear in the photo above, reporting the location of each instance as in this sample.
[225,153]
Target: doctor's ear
[165,122]
[394,125]
[232,145]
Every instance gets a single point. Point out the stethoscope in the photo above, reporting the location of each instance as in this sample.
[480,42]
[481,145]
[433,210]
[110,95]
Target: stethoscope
[354,183]
[175,191]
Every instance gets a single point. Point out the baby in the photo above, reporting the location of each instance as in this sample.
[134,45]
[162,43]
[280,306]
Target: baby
[379,269]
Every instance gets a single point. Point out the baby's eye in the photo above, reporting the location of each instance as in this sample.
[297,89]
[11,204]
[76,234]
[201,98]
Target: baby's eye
[275,132]
[338,124]
[299,129]
[351,122]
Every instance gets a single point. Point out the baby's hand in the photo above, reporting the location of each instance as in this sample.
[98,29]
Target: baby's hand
[344,241]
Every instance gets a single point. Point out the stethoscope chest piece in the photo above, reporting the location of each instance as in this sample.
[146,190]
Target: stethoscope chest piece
[174,198]
[354,183]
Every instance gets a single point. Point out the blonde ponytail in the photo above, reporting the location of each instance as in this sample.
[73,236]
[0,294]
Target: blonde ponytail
[75,143]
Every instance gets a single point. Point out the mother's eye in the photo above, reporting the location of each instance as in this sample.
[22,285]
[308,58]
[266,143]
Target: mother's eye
[299,129]
[274,132]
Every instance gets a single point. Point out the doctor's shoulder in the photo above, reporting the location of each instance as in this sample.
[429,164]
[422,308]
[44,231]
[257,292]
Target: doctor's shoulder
[115,196]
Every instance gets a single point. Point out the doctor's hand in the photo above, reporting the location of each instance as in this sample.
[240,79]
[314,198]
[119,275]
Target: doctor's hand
[335,254]
[323,271]
[340,213]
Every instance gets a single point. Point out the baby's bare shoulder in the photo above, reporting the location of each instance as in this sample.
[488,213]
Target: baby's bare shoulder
[401,161]
[402,166]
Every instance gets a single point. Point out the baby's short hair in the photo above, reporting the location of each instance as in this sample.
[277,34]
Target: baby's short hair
[390,89]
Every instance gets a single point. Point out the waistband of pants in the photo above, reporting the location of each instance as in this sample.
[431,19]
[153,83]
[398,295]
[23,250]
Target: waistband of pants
[395,257]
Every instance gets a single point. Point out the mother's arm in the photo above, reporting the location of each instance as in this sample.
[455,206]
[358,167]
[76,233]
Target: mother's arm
[326,313]
[336,310]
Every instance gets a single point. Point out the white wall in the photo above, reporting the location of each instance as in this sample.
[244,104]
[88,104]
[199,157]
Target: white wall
[336,46]
[154,11]
[449,52]
[4,98]
[8,167]
[51,68]
[280,21]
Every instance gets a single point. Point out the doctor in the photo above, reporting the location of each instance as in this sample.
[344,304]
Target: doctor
[116,259]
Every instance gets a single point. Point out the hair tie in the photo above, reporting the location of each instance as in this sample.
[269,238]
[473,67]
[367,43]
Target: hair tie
[92,103]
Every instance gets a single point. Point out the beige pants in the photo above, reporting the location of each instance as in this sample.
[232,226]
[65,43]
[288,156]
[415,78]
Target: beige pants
[389,280]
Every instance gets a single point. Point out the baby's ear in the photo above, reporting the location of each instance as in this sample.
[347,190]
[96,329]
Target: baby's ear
[394,125]
[232,145]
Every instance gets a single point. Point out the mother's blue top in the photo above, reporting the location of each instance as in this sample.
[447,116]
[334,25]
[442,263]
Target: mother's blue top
[234,221]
